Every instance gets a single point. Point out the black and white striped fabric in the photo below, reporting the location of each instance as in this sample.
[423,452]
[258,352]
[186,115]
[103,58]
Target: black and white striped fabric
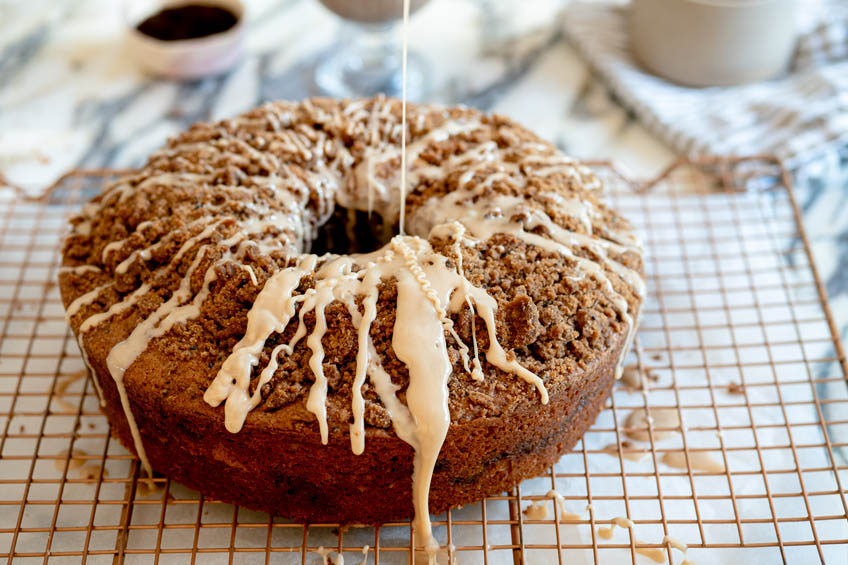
[802,117]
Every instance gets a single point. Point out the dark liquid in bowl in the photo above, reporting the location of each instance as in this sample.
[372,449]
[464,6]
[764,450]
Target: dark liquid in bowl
[188,21]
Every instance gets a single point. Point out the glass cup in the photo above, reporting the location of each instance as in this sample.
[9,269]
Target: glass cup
[366,60]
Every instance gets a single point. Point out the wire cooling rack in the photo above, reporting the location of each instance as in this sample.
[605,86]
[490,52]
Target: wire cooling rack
[736,343]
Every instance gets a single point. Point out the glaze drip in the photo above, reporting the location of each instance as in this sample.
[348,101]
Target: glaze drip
[427,289]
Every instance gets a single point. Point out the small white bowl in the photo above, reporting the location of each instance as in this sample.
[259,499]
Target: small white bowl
[185,58]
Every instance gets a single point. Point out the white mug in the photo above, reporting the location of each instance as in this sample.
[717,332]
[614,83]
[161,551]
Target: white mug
[713,42]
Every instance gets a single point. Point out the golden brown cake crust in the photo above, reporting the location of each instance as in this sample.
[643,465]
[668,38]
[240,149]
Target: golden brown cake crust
[564,327]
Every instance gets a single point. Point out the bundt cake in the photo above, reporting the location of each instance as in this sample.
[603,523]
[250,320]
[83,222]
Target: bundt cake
[257,263]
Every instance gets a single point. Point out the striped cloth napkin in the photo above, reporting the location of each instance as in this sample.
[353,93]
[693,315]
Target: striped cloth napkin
[801,117]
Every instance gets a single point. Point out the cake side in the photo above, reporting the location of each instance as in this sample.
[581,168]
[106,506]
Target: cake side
[287,472]
[500,433]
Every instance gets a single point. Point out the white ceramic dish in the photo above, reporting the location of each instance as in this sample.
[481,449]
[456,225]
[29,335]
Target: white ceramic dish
[713,42]
[186,58]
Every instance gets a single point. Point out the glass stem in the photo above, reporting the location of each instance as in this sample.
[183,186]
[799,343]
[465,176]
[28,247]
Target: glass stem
[371,48]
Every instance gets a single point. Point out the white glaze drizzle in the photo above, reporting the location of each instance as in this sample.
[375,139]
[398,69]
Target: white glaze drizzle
[85,299]
[126,352]
[427,288]
[170,313]
[515,215]
[403,127]
[118,244]
[80,269]
[91,372]
[116,308]
[559,504]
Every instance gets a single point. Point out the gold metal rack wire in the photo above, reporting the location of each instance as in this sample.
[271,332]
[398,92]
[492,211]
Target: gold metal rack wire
[736,340]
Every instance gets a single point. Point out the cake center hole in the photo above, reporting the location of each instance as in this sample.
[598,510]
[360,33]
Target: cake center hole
[353,231]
